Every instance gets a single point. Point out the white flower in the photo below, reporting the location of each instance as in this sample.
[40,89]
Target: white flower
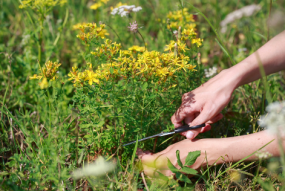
[274,120]
[210,72]
[137,9]
[238,14]
[124,10]
[98,168]
[263,154]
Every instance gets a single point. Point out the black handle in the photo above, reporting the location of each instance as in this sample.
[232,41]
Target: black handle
[187,127]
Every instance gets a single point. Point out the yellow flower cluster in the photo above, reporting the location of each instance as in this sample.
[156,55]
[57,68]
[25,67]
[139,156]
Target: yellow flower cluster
[184,19]
[181,18]
[47,73]
[35,4]
[98,4]
[136,48]
[89,31]
[109,49]
[78,78]
[130,63]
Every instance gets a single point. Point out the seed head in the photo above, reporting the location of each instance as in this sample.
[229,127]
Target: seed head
[133,27]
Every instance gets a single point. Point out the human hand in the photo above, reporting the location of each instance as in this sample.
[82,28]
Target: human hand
[158,162]
[204,104]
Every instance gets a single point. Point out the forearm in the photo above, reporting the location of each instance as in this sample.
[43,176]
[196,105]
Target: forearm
[234,149]
[271,56]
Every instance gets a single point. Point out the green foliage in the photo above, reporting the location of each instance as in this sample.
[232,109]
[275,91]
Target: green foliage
[46,134]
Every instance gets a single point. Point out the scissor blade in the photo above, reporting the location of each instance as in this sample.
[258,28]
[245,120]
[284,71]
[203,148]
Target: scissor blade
[157,135]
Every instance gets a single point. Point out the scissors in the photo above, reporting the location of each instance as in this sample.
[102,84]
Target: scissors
[177,130]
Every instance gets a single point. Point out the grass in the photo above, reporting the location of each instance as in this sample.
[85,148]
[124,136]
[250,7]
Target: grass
[47,134]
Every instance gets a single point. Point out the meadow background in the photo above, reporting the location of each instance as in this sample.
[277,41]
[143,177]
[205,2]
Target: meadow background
[51,128]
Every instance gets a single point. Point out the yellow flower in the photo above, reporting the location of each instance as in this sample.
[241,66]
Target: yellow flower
[91,77]
[235,176]
[182,46]
[104,1]
[170,46]
[44,83]
[103,33]
[35,76]
[197,41]
[188,32]
[118,5]
[137,48]
[96,5]
[38,4]
[162,72]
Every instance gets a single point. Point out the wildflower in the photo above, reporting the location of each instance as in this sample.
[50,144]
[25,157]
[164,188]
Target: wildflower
[117,5]
[137,48]
[204,60]
[125,10]
[210,72]
[98,168]
[235,176]
[90,31]
[96,5]
[178,18]
[49,71]
[188,32]
[263,154]
[44,84]
[133,27]
[274,120]
[36,4]
[170,46]
[238,14]
[197,41]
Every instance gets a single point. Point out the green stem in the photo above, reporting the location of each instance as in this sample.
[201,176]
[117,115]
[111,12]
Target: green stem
[40,41]
[269,15]
[216,33]
[143,40]
[282,154]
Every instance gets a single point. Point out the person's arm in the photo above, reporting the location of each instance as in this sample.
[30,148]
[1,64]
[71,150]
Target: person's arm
[204,104]
[217,151]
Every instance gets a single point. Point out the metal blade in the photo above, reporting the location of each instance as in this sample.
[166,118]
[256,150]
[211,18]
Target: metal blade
[157,135]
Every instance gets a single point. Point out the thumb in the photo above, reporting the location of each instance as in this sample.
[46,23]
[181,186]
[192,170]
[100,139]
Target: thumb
[193,133]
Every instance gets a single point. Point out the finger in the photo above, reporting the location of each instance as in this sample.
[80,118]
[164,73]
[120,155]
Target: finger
[179,116]
[215,119]
[149,171]
[208,112]
[206,128]
[188,121]
[141,153]
[148,160]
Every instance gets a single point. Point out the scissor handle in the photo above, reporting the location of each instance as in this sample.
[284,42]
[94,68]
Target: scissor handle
[187,128]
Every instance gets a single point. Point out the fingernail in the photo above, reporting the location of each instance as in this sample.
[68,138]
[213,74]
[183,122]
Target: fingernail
[190,135]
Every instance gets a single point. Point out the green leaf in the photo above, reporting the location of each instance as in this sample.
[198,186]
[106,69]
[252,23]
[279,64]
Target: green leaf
[191,158]
[162,176]
[178,158]
[172,167]
[182,177]
[266,185]
[4,173]
[145,85]
[87,136]
[135,150]
[188,170]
